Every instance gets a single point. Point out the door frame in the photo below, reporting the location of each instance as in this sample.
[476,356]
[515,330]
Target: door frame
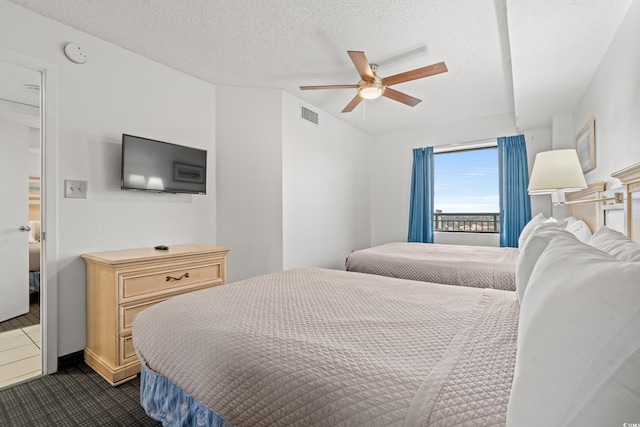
[48,201]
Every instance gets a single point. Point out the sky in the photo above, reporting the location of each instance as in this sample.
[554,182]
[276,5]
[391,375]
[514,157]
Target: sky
[466,181]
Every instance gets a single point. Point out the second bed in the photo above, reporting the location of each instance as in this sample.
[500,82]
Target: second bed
[471,266]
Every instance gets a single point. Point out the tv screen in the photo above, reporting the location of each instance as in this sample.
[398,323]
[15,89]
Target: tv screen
[158,166]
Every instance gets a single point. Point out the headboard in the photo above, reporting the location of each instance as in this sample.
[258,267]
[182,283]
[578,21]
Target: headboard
[590,213]
[630,178]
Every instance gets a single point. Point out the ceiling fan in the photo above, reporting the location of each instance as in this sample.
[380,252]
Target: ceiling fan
[371,86]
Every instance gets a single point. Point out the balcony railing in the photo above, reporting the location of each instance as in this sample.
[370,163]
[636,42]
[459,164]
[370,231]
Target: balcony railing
[467,222]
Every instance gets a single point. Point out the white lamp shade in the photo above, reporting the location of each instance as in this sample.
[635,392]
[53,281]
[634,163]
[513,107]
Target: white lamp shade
[556,171]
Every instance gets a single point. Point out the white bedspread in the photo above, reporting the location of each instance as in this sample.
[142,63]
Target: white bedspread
[473,266]
[313,347]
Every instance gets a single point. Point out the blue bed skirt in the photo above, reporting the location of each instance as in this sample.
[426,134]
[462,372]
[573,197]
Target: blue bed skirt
[166,402]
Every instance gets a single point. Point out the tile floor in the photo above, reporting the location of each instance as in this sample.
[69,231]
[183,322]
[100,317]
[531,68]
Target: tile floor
[27,319]
[19,355]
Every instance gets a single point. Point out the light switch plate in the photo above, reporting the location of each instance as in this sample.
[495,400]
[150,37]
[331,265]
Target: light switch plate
[75,189]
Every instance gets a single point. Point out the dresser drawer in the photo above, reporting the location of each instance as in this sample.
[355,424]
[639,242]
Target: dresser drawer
[128,311]
[127,352]
[141,284]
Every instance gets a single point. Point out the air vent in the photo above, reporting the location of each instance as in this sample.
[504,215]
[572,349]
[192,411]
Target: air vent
[309,115]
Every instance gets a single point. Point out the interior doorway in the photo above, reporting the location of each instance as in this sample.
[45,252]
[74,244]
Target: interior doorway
[21,249]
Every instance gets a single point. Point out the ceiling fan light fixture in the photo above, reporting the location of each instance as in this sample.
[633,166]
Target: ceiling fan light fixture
[371,90]
[371,86]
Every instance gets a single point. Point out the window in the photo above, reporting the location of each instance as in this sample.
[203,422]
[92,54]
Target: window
[466,191]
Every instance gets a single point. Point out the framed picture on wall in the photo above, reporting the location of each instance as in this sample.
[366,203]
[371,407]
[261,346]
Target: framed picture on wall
[586,146]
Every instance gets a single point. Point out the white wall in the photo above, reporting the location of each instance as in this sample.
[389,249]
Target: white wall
[613,100]
[326,203]
[249,176]
[562,137]
[538,139]
[290,194]
[115,92]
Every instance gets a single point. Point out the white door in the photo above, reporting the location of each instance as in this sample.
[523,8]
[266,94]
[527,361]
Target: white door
[14,194]
[14,214]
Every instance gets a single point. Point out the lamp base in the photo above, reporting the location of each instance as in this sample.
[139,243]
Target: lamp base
[557,198]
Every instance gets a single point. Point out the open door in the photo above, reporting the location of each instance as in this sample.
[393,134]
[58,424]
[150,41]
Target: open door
[14,212]
[14,222]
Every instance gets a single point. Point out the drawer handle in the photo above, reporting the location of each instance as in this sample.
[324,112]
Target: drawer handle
[177,278]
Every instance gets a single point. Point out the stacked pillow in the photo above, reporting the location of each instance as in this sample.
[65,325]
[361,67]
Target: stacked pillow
[528,229]
[579,229]
[533,248]
[572,224]
[616,244]
[578,356]
[529,253]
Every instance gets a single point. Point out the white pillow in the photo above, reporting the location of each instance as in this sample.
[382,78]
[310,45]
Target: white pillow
[578,353]
[531,225]
[571,220]
[615,244]
[580,230]
[531,251]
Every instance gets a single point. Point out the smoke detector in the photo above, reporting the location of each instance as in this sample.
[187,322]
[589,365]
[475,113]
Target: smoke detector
[75,53]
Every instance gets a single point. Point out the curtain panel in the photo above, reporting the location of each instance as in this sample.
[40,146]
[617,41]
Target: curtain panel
[421,204]
[515,204]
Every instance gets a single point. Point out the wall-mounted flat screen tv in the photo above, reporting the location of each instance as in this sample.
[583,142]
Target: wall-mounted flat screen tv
[162,167]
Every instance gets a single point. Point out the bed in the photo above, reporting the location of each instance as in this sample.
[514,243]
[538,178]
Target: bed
[321,347]
[472,266]
[332,348]
[460,265]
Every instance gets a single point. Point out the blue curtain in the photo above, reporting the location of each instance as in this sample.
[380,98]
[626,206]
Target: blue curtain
[421,207]
[515,205]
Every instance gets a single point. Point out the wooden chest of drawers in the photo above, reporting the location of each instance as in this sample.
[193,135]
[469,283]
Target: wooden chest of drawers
[120,284]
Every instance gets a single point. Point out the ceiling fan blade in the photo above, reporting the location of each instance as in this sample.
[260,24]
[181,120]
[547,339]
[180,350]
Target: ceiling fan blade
[350,106]
[401,97]
[418,73]
[329,87]
[362,65]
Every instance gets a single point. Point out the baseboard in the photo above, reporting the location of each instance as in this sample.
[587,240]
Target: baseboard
[70,360]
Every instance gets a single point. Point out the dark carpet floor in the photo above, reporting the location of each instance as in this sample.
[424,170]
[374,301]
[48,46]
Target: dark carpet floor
[29,319]
[75,396]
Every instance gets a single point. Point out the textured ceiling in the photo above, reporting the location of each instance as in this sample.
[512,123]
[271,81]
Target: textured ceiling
[283,44]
